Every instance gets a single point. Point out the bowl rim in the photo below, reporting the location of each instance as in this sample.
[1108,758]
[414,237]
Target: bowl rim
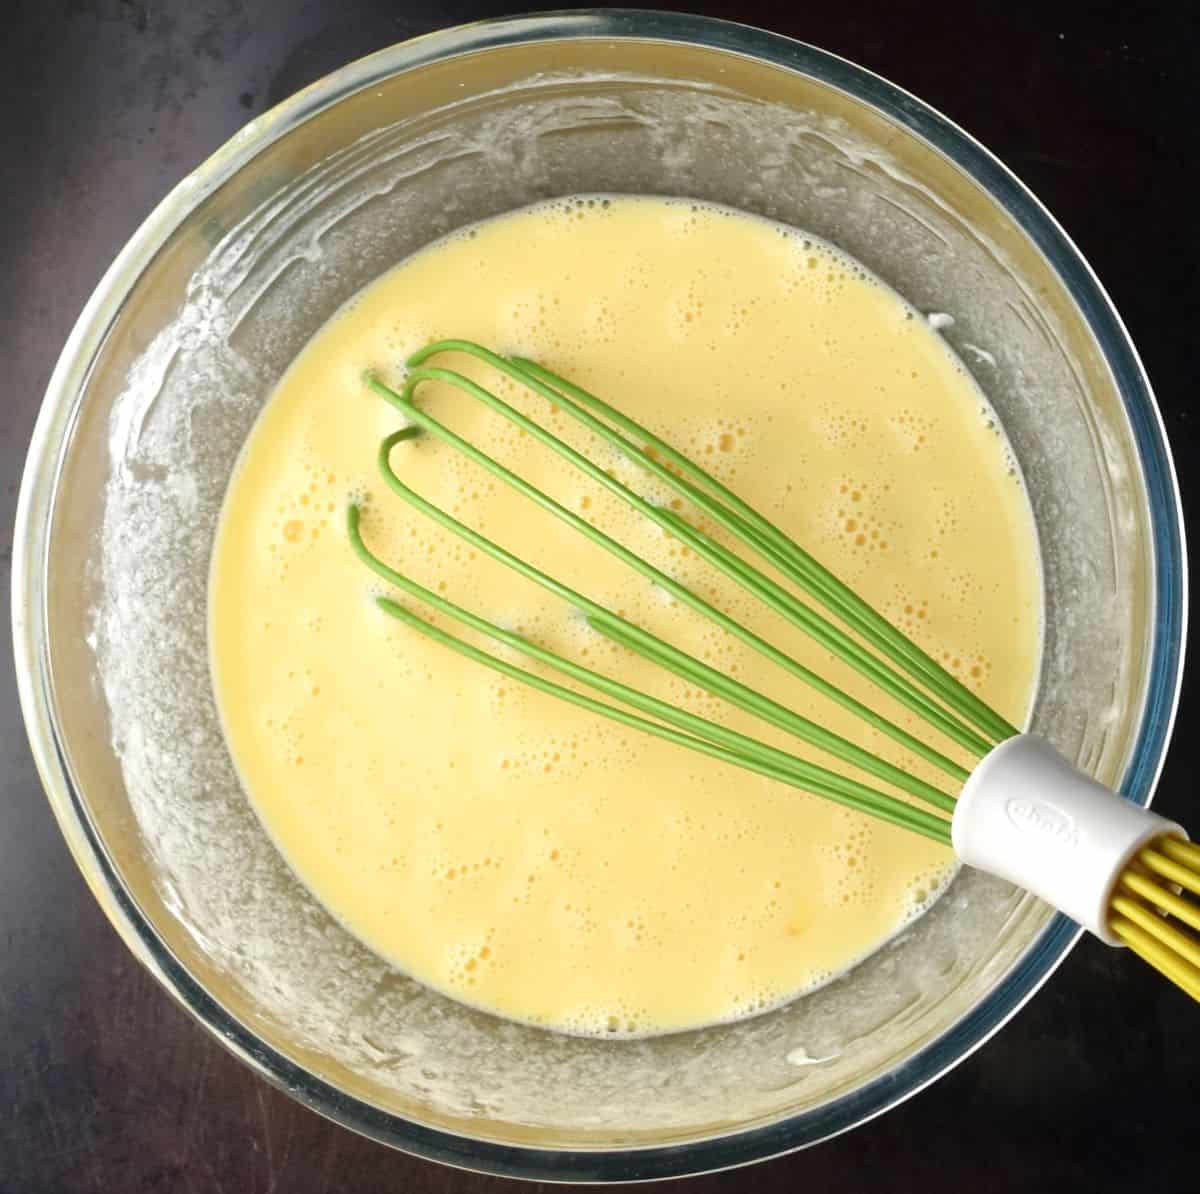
[59,412]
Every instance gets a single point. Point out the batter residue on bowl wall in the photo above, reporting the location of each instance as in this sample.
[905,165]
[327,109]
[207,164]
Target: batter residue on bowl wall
[518,853]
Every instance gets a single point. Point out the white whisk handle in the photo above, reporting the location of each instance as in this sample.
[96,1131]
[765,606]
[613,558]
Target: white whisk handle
[1029,816]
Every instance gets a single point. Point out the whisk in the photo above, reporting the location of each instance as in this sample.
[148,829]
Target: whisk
[1022,812]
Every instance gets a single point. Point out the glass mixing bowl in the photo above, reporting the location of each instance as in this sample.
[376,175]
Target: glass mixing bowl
[184,339]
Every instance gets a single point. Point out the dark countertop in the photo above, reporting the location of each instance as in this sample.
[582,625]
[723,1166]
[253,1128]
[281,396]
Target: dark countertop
[105,1085]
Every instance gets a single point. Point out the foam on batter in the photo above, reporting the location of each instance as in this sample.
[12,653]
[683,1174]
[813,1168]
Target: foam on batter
[524,855]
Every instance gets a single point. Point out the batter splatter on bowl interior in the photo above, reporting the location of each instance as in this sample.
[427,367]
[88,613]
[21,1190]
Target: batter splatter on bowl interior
[513,851]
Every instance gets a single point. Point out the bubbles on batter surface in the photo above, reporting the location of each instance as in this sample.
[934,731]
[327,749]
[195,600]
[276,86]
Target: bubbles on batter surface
[856,521]
[838,427]
[852,877]
[925,887]
[912,429]
[589,759]
[723,438]
[301,516]
[552,758]
[612,1021]
[285,728]
[971,667]
[464,964]
[908,612]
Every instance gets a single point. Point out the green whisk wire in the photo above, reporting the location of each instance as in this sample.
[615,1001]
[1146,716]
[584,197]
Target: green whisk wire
[756,531]
[737,569]
[677,661]
[761,586]
[979,728]
[706,737]
[736,516]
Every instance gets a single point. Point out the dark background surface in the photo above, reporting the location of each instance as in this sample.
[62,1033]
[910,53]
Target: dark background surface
[105,1085]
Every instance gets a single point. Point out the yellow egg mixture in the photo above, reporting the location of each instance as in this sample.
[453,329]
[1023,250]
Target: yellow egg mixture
[516,852]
